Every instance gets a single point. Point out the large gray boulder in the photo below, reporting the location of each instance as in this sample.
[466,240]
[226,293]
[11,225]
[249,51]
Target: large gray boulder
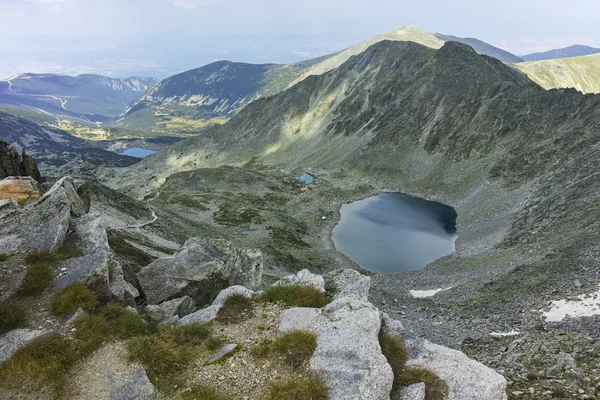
[245,266]
[209,313]
[224,294]
[133,385]
[42,226]
[467,379]
[177,307]
[199,269]
[98,266]
[347,282]
[202,316]
[413,392]
[348,355]
[303,278]
[67,187]
[12,341]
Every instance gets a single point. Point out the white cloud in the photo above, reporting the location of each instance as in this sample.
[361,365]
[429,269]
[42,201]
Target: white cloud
[54,6]
[190,4]
[187,4]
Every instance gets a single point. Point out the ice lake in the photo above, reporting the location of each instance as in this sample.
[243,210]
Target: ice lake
[394,232]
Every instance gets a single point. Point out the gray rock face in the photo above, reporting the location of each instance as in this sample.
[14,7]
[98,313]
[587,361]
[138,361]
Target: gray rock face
[131,386]
[347,282]
[66,185]
[413,392]
[391,326]
[200,269]
[467,379]
[201,316]
[155,312]
[303,278]
[246,267]
[224,294]
[176,307]
[209,313]
[12,341]
[42,226]
[348,355]
[181,307]
[98,267]
[222,353]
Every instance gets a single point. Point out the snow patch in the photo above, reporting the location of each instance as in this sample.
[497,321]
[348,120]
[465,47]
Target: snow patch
[586,305]
[421,294]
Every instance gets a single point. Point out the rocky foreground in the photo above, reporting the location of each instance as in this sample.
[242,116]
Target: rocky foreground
[192,288]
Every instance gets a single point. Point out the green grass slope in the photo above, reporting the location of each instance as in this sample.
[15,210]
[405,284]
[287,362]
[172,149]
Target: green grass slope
[581,73]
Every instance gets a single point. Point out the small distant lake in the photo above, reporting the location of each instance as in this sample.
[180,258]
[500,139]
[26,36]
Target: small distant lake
[137,152]
[394,232]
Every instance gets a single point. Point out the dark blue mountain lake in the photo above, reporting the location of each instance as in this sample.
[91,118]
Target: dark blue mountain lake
[138,152]
[394,232]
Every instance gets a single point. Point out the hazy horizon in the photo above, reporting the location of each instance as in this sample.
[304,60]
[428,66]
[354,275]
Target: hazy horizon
[162,37]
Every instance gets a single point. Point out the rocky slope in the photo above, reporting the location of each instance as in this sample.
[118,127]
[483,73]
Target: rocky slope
[87,97]
[54,148]
[581,73]
[212,94]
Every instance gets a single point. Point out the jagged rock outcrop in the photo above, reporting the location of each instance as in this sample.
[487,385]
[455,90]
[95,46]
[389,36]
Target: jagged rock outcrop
[200,269]
[348,355]
[467,379]
[14,340]
[172,308]
[303,278]
[347,282]
[13,165]
[209,313]
[42,226]
[24,190]
[97,267]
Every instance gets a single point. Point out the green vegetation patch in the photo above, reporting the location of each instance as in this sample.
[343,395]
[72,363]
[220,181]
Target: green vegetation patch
[297,347]
[40,271]
[228,215]
[285,236]
[394,351]
[295,296]
[45,361]
[11,317]
[72,297]
[169,351]
[236,308]
[111,322]
[312,388]
[3,257]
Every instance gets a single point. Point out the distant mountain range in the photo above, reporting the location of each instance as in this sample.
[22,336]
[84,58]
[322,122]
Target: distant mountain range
[92,98]
[192,101]
[571,51]
[212,94]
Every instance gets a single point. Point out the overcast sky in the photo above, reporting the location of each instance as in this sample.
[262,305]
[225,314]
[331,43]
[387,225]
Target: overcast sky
[520,26]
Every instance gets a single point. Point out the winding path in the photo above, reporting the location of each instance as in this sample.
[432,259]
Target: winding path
[143,224]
